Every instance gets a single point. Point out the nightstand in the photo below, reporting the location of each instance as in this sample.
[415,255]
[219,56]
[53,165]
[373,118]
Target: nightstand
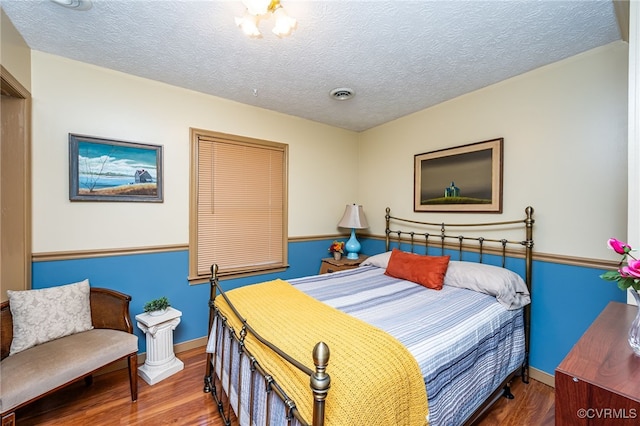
[329,264]
[597,383]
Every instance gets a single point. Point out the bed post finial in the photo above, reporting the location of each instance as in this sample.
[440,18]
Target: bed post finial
[529,212]
[320,382]
[528,222]
[214,270]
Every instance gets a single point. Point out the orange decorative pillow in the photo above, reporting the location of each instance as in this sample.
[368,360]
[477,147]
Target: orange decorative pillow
[428,271]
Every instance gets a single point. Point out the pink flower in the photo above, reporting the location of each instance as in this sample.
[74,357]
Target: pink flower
[627,276]
[618,246]
[632,269]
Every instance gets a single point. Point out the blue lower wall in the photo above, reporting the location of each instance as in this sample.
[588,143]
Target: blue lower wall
[149,276]
[566,299]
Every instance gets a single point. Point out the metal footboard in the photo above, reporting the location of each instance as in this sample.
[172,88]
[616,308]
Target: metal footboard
[225,371]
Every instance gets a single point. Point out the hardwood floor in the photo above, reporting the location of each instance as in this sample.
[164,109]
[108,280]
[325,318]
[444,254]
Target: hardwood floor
[533,405]
[179,400]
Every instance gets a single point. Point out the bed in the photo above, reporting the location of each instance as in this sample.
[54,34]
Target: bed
[431,331]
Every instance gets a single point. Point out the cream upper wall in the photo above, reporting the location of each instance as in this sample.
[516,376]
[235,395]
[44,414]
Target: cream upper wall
[15,55]
[74,97]
[565,148]
[565,142]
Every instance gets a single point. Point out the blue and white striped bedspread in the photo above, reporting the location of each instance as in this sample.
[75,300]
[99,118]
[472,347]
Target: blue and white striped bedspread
[465,342]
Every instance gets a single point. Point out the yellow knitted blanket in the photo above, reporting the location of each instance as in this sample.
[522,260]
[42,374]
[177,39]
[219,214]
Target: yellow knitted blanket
[374,379]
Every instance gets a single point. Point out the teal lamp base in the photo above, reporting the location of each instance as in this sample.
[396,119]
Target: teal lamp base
[352,246]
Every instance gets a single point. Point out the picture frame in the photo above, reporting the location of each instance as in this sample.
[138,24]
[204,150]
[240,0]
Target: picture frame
[114,170]
[466,178]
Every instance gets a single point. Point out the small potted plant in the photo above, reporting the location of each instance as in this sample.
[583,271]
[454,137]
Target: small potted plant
[157,306]
[337,249]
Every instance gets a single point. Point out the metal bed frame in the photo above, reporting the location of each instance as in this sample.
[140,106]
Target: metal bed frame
[432,235]
[319,380]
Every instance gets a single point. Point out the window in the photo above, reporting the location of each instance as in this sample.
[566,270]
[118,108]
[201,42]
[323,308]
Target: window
[238,205]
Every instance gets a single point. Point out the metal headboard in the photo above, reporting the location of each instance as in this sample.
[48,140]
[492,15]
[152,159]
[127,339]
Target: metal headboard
[433,235]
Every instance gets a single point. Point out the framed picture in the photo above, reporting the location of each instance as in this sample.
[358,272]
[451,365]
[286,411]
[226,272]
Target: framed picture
[465,178]
[112,170]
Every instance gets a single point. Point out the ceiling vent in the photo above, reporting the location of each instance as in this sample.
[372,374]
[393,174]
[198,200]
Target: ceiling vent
[342,94]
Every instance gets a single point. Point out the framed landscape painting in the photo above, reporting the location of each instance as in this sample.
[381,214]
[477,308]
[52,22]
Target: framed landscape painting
[465,178]
[112,170]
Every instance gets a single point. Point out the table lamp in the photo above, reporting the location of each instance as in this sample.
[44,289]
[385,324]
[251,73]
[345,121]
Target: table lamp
[353,218]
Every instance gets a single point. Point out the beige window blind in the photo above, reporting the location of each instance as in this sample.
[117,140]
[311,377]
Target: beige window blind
[240,205]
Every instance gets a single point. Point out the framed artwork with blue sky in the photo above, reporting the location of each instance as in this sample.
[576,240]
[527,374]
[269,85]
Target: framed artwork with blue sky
[112,170]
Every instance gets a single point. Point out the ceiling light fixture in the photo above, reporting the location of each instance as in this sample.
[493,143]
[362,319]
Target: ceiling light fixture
[258,10]
[74,4]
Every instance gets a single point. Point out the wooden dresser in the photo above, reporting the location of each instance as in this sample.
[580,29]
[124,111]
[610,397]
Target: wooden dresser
[598,383]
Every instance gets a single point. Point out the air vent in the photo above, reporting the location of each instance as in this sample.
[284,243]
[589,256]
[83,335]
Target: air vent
[342,94]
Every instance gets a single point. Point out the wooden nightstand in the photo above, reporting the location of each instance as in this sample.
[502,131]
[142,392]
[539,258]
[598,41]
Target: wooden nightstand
[598,381]
[329,264]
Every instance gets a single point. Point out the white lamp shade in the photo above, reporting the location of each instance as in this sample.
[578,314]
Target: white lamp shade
[353,218]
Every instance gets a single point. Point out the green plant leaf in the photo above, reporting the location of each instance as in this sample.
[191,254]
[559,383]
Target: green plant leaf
[156,304]
[611,276]
[623,285]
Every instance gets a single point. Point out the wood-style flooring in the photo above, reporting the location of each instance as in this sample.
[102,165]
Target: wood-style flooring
[179,400]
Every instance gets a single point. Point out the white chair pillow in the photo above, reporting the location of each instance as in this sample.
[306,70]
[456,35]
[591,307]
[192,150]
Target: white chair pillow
[49,313]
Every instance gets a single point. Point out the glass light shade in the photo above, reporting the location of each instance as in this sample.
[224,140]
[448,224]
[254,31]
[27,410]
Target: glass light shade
[257,7]
[284,23]
[249,25]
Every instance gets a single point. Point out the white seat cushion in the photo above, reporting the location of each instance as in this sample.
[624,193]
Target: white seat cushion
[45,367]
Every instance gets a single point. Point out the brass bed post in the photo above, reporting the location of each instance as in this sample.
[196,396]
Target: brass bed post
[387,218]
[529,221]
[212,296]
[320,382]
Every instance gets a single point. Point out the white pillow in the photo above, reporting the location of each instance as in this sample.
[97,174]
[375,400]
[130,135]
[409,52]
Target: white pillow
[380,260]
[507,286]
[49,313]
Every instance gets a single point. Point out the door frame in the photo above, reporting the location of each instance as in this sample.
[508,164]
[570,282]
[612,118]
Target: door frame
[21,106]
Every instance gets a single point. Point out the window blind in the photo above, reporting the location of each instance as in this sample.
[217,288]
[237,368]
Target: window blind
[241,200]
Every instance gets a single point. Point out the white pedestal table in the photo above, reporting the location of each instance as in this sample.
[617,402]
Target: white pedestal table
[161,362]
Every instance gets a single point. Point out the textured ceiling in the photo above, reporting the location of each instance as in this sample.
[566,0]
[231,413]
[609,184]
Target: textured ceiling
[398,56]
